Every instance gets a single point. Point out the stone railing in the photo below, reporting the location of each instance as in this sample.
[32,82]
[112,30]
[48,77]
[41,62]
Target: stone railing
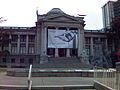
[107,78]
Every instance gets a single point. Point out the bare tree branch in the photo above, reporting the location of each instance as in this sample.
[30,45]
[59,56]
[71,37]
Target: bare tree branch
[2,19]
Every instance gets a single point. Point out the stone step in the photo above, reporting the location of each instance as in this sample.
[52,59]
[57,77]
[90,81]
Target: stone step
[63,62]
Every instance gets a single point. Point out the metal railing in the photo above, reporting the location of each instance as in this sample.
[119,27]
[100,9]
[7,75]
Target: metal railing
[29,78]
[108,77]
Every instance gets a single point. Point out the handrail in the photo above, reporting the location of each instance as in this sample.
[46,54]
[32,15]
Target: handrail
[108,76]
[29,78]
[30,85]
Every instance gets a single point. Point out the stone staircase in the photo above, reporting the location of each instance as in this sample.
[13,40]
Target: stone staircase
[64,62]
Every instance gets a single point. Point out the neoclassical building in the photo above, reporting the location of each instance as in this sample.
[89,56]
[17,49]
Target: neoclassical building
[55,35]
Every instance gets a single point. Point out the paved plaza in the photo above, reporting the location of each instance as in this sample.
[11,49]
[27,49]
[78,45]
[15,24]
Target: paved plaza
[41,81]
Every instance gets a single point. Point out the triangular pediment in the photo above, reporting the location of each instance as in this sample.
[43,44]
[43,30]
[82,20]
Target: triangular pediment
[62,18]
[57,15]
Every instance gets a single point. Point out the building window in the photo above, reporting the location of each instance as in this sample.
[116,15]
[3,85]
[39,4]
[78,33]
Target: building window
[14,38]
[51,51]
[21,60]
[14,48]
[73,52]
[30,61]
[102,40]
[5,38]
[87,40]
[13,60]
[87,49]
[31,38]
[22,48]
[4,60]
[22,38]
[6,47]
[95,40]
[31,49]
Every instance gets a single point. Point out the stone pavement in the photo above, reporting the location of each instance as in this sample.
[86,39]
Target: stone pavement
[8,80]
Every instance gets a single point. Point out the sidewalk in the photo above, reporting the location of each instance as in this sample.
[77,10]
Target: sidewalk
[8,80]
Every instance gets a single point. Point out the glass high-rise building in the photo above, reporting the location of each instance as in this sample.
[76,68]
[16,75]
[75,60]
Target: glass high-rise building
[110,11]
[108,14]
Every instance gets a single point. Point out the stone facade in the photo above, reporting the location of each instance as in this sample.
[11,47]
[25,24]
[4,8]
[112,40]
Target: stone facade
[30,45]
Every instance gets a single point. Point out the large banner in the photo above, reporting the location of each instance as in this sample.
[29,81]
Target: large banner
[62,38]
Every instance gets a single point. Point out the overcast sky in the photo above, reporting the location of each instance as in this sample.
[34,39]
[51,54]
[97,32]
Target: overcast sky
[23,12]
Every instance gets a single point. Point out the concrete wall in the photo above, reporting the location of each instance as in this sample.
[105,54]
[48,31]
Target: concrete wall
[35,73]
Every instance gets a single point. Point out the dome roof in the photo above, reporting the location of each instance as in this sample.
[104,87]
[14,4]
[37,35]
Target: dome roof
[55,11]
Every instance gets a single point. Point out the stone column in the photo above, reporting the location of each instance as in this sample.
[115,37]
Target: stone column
[56,49]
[68,52]
[99,40]
[113,45]
[91,46]
[106,44]
[43,57]
[56,52]
[8,57]
[44,42]
[10,43]
[18,44]
[27,44]
[80,42]
[38,39]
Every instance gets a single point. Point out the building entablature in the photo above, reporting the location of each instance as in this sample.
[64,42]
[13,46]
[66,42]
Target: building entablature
[18,30]
[94,35]
[62,24]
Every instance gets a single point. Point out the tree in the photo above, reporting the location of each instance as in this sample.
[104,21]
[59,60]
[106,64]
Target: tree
[2,19]
[114,34]
[116,31]
[4,40]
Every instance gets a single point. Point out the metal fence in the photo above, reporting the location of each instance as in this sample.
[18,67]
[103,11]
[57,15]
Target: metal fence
[108,77]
